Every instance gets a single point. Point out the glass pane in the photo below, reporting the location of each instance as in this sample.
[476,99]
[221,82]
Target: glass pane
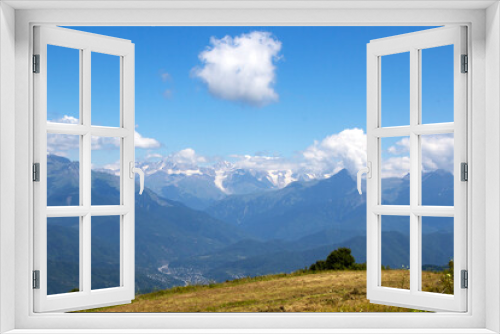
[63,255]
[395,89]
[63,85]
[437,169]
[106,170]
[63,170]
[395,251]
[437,255]
[437,84]
[105,90]
[105,252]
[395,171]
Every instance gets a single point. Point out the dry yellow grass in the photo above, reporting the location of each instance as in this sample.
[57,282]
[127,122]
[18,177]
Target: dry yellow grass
[399,279]
[330,291]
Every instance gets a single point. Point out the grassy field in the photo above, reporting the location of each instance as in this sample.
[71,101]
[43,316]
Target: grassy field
[327,291]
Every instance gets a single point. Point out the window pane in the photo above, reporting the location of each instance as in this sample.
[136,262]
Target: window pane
[63,170]
[395,89]
[106,170]
[105,90]
[63,255]
[395,251]
[437,84]
[395,171]
[437,255]
[63,85]
[437,169]
[105,252]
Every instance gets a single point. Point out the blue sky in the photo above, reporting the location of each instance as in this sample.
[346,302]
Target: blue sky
[317,90]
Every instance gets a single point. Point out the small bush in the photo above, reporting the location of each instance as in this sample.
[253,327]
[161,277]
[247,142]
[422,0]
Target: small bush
[339,259]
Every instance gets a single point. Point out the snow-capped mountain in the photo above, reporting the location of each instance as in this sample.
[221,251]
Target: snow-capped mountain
[199,186]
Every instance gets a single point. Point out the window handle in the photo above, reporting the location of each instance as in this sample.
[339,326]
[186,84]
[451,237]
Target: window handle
[133,170]
[368,171]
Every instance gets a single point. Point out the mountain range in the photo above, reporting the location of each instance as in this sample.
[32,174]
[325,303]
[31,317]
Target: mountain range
[199,187]
[252,227]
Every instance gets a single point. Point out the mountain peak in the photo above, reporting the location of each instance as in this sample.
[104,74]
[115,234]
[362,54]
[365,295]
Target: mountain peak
[342,174]
[57,158]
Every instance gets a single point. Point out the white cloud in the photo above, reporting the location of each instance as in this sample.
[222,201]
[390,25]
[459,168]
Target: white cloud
[241,68]
[401,147]
[65,119]
[105,143]
[395,166]
[187,156]
[437,153]
[113,143]
[143,142]
[112,167]
[347,149]
[61,145]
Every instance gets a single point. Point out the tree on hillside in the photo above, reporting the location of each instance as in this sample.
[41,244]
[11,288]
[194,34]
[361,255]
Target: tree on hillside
[339,259]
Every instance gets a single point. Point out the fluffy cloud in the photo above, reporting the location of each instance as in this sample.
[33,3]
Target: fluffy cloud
[65,119]
[346,149]
[61,145]
[186,156]
[241,68]
[401,147]
[437,153]
[105,143]
[143,142]
[395,166]
[113,143]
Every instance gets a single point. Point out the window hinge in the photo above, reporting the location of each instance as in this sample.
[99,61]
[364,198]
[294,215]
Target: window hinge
[36,172]
[464,171]
[465,64]
[36,279]
[36,63]
[465,279]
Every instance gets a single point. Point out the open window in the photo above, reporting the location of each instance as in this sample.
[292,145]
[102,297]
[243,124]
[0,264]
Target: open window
[409,123]
[79,216]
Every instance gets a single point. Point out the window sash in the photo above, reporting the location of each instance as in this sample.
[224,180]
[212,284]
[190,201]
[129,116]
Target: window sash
[413,43]
[86,297]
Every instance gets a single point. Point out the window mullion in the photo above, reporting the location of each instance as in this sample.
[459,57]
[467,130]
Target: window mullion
[85,163]
[414,170]
[82,235]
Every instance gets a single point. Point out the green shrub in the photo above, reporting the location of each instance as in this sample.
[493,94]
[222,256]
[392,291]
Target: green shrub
[339,259]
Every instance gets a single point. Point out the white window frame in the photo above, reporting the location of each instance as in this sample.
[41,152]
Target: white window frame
[482,19]
[86,44]
[414,43]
